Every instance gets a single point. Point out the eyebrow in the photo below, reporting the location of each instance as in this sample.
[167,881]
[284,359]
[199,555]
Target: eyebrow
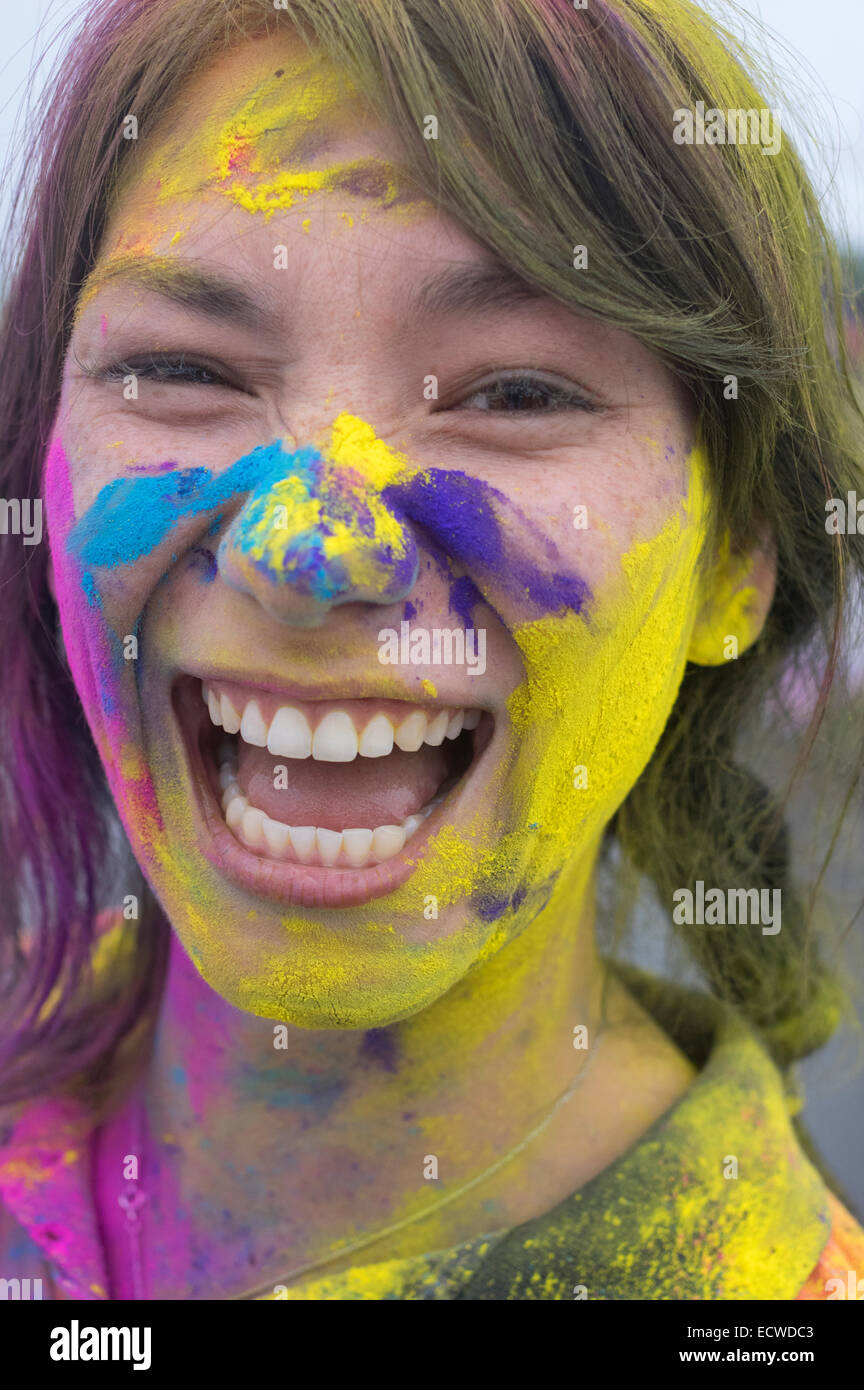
[473,289]
[211,293]
[460,290]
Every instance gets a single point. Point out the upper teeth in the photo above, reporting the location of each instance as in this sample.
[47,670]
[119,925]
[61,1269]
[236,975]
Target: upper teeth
[336,739]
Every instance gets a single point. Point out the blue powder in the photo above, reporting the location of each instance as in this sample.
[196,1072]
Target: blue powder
[131,516]
[458,515]
[94,599]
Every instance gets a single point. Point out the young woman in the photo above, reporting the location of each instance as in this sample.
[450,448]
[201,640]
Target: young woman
[434,441]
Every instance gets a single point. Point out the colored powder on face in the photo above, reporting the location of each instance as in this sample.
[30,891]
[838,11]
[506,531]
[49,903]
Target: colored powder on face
[131,516]
[286,105]
[258,154]
[468,512]
[490,908]
[464,595]
[596,695]
[332,523]
[312,521]
[354,461]
[165,467]
[97,661]
[353,444]
[606,693]
[204,563]
[329,534]
[459,503]
[597,691]
[91,593]
[362,176]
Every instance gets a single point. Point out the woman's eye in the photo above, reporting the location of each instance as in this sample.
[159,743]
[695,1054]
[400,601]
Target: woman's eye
[525,393]
[177,369]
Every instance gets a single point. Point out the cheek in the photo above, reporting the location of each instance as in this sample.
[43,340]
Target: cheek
[602,652]
[80,615]
[598,690]
[92,613]
[102,663]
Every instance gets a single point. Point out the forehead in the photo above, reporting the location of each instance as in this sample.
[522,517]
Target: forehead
[270,126]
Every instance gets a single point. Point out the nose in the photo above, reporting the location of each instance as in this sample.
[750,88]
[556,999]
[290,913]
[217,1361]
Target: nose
[314,533]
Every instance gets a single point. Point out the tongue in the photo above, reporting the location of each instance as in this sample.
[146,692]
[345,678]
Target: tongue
[363,794]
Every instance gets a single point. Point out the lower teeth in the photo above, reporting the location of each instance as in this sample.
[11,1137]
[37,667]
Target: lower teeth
[309,844]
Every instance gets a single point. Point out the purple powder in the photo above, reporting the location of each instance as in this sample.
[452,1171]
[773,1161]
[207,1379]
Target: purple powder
[379,1047]
[460,516]
[204,563]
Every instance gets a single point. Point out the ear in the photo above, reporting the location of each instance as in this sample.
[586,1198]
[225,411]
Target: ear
[738,589]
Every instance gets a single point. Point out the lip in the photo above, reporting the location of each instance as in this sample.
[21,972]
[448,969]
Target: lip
[343,689]
[300,885]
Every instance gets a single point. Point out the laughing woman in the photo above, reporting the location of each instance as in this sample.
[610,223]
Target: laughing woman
[434,448]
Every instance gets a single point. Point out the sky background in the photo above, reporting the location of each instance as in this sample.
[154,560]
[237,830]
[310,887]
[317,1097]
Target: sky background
[817,50]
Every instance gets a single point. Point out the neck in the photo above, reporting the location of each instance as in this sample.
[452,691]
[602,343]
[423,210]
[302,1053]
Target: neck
[311,1139]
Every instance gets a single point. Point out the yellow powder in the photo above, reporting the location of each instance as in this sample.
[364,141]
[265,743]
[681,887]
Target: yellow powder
[597,690]
[730,610]
[352,443]
[257,151]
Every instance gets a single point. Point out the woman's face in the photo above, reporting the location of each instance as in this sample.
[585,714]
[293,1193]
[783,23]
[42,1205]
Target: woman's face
[303,411]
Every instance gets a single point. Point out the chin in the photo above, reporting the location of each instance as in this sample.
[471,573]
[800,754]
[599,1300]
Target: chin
[298,969]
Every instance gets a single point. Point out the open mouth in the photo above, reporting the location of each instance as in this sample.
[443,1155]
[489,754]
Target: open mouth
[323,802]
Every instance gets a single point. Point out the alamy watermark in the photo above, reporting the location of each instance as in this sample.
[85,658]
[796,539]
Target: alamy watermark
[25,1289]
[851,1287]
[694,125]
[845,518]
[438,646]
[77,1343]
[21,516]
[730,907]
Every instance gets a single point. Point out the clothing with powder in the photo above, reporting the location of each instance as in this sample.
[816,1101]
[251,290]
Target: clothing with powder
[715,1201]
